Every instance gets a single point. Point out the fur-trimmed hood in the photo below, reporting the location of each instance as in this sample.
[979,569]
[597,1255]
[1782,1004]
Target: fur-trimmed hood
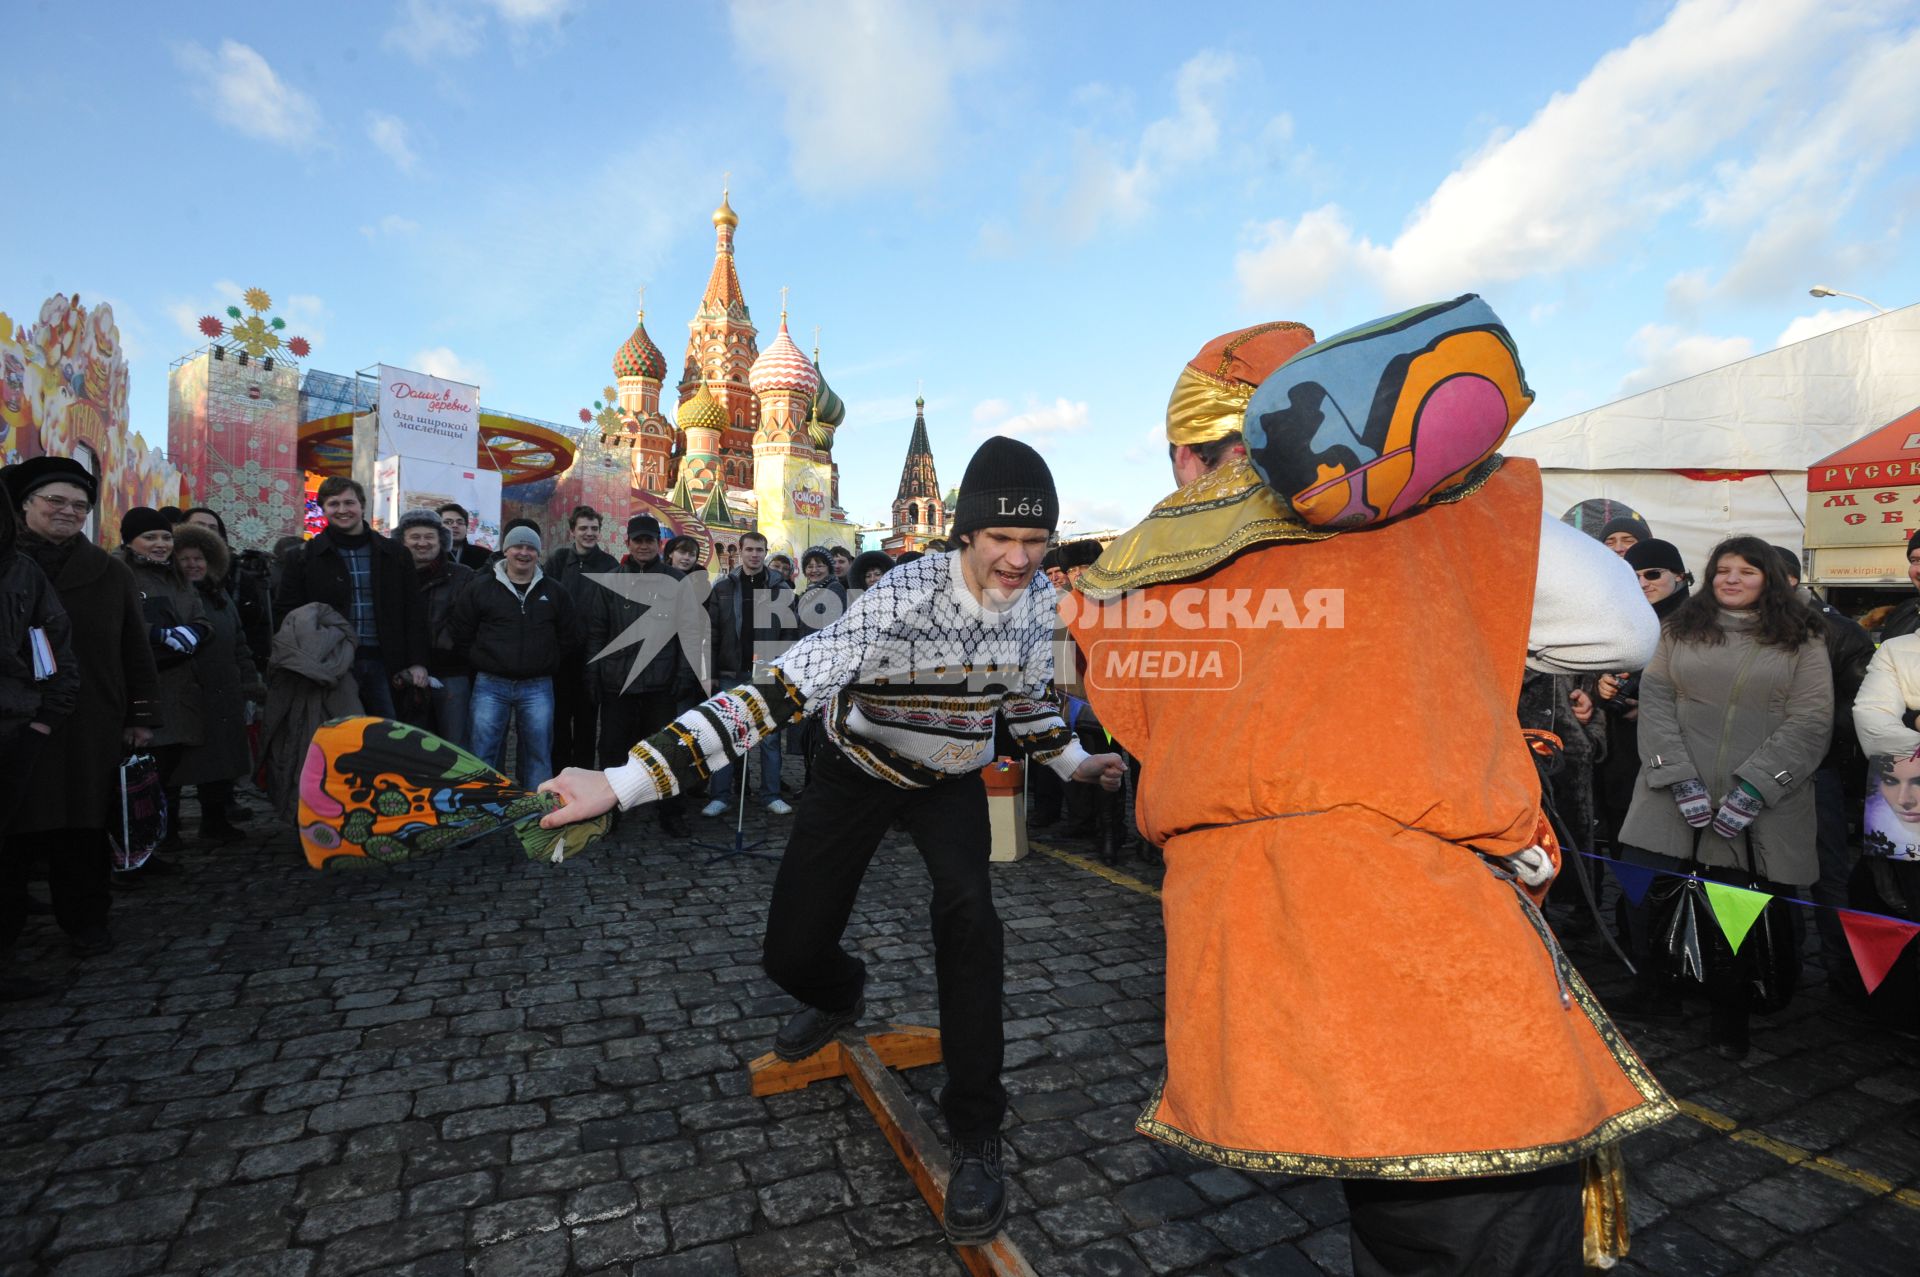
[188,536]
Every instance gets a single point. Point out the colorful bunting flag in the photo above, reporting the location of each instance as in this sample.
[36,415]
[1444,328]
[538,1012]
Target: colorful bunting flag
[1876,942]
[1735,909]
[1634,879]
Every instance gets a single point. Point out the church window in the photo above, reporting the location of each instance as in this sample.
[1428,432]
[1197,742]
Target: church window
[913,513]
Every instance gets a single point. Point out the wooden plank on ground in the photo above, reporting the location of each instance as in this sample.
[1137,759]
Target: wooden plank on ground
[919,1150]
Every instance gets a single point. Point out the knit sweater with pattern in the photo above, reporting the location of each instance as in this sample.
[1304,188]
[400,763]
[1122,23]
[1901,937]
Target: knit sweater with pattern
[908,682]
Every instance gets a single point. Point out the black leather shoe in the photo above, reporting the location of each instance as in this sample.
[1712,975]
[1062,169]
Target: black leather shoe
[977,1193]
[91,943]
[813,1028]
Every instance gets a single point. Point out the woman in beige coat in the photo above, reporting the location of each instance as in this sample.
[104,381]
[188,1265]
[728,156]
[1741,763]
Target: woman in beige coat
[1735,713]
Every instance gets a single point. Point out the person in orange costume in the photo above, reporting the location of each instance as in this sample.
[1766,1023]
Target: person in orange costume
[1315,647]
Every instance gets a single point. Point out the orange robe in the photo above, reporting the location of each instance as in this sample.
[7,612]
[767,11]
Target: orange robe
[1350,990]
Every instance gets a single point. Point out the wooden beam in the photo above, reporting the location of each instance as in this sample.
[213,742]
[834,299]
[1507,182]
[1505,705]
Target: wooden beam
[920,1151]
[868,1066]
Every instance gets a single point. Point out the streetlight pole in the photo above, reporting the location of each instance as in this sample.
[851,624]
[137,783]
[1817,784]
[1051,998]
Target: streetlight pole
[1821,290]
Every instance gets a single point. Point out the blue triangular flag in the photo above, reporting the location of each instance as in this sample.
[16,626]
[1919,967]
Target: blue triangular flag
[1634,879]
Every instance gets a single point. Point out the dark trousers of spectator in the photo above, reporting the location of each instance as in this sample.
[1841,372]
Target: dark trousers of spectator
[1046,796]
[1836,870]
[842,815]
[575,719]
[1526,1225]
[79,869]
[371,676]
[627,720]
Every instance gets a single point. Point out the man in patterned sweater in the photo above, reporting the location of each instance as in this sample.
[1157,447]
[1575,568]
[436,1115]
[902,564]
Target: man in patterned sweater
[909,684]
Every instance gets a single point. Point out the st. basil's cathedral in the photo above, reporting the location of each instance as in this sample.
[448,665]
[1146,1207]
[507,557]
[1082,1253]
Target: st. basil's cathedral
[751,446]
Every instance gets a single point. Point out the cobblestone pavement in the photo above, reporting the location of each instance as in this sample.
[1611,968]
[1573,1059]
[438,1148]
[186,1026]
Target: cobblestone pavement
[480,1065]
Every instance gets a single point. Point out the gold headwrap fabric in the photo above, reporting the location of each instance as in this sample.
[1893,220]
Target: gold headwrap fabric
[1210,397]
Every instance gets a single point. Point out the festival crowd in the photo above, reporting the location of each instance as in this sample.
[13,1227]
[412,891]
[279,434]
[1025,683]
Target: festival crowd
[1735,748]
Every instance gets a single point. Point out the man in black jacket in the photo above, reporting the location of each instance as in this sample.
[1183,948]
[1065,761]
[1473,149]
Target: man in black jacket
[516,626]
[369,580]
[1849,649]
[455,519]
[574,714]
[631,708]
[754,616]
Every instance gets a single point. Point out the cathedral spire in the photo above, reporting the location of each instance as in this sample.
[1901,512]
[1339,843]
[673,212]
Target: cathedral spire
[917,478]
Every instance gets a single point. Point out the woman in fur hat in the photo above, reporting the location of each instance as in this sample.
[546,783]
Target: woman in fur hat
[228,680]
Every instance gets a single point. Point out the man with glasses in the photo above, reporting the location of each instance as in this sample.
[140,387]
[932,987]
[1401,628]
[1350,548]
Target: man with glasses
[65,818]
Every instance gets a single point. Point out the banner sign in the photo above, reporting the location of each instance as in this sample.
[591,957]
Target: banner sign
[428,418]
[1863,516]
[404,483]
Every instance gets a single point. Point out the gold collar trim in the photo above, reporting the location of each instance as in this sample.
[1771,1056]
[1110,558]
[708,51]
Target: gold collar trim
[1212,519]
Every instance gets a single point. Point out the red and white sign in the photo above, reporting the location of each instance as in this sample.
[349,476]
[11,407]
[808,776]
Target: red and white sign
[427,418]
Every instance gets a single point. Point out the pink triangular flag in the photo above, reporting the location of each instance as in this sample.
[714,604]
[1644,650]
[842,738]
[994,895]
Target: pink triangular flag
[1876,942]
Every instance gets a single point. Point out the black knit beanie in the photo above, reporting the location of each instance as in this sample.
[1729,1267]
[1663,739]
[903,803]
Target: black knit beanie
[1007,485]
[141,520]
[1655,554]
[1632,524]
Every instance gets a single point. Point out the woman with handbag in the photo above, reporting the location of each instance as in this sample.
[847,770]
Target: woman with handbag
[177,627]
[1735,712]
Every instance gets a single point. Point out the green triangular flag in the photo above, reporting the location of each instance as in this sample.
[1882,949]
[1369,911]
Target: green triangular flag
[1735,908]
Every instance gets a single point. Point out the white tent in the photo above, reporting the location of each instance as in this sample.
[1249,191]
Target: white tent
[1766,418]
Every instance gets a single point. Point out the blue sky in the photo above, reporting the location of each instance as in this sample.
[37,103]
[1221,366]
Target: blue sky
[1039,211]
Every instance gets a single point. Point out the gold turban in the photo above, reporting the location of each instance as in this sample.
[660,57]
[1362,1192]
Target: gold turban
[1210,398]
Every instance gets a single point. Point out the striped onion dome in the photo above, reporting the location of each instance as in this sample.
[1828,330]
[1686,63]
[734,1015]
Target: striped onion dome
[828,408]
[782,366]
[639,357]
[702,412]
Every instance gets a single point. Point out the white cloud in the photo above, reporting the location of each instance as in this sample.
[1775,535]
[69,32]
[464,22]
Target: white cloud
[991,410]
[529,12]
[440,361]
[391,225]
[868,84]
[1824,320]
[1062,416]
[1608,158]
[388,133]
[1115,184]
[431,31]
[1667,354]
[245,94]
[428,31]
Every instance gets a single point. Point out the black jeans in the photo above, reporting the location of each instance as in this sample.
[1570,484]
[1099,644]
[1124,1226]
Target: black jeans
[1526,1225]
[575,717]
[627,720]
[841,818]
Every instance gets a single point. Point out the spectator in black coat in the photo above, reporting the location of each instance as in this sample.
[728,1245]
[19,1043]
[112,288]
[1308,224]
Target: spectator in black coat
[636,703]
[575,718]
[457,522]
[1840,774]
[442,710]
[369,580]
[33,702]
[516,626]
[118,705]
[754,620]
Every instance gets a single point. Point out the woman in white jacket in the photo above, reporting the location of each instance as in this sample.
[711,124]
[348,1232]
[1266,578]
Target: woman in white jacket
[1884,714]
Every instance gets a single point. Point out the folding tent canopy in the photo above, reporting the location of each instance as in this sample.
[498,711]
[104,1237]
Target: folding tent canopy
[1727,451]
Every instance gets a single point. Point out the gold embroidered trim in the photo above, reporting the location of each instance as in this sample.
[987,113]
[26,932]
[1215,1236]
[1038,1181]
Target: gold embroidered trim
[1658,1107]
